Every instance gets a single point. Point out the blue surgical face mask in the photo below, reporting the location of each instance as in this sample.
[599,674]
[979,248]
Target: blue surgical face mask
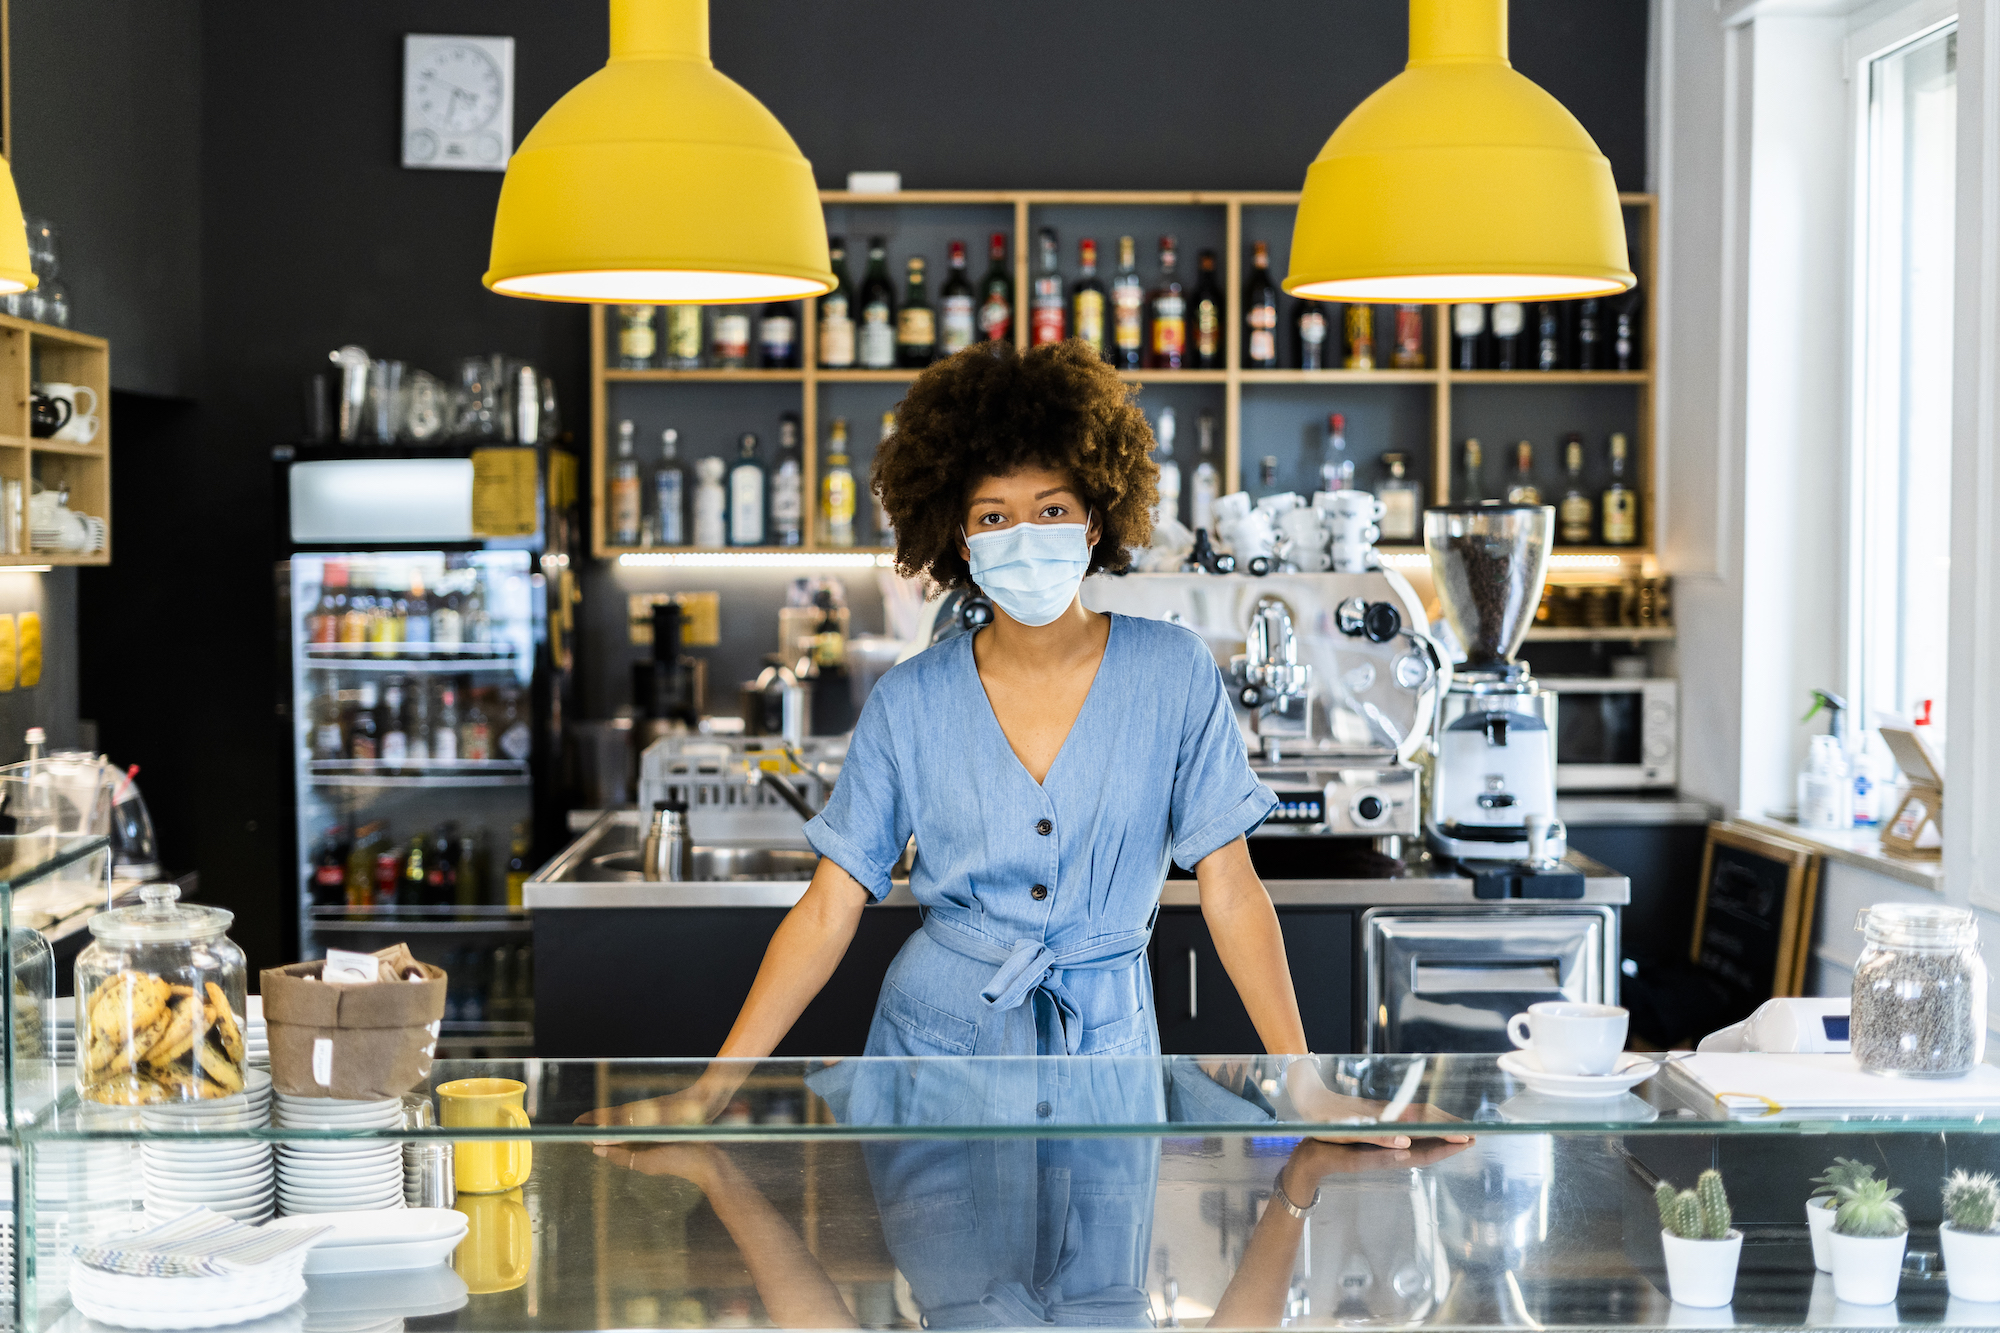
[1031,570]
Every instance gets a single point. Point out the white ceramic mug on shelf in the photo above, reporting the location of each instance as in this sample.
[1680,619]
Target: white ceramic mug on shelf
[1568,1038]
[81,428]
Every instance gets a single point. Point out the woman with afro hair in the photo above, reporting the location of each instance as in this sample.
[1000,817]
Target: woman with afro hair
[1048,765]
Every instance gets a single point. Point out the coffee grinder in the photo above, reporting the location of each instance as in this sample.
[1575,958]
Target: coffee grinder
[1493,791]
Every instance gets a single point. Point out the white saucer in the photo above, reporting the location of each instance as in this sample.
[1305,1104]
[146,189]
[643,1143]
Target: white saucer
[1540,1108]
[1631,1070]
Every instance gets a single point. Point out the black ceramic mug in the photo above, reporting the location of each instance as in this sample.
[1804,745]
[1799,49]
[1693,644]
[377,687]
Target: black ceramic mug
[47,415]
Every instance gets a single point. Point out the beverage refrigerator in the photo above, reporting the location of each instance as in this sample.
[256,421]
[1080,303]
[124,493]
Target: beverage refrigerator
[425,602]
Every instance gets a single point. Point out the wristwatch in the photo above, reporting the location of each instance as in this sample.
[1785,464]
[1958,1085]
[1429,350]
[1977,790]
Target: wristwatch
[1278,1188]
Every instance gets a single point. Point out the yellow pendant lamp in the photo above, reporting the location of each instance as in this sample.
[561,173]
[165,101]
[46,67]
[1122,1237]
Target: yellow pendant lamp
[16,273]
[658,180]
[1459,180]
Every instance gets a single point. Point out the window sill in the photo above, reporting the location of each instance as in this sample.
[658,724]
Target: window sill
[1861,848]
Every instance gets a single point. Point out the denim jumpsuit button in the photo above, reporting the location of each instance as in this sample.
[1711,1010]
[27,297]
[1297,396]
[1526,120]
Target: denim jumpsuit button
[1154,768]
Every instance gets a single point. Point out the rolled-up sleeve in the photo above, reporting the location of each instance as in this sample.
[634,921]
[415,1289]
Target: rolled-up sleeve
[1217,798]
[866,822]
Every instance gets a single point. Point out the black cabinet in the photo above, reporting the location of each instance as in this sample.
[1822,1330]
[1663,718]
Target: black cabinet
[1199,1010]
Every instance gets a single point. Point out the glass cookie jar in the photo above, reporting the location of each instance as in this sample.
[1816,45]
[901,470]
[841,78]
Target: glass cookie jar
[159,1008]
[1919,1008]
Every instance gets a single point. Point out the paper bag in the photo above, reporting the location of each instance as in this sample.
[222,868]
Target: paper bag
[362,1041]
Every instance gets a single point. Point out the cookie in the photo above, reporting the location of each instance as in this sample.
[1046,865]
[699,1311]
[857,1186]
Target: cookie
[220,1068]
[126,1003]
[116,1054]
[222,1019]
[184,1029]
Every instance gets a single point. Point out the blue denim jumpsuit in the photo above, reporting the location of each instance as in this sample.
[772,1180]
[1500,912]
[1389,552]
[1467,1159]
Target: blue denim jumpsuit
[1039,898]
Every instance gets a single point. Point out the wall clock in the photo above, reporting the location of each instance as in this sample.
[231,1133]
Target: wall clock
[458,102]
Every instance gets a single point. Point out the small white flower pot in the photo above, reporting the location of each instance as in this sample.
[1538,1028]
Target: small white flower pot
[1971,1263]
[1819,1219]
[1866,1269]
[1702,1273]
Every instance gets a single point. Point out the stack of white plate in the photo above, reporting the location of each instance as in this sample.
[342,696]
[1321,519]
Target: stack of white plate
[193,1271]
[230,1176]
[339,1175]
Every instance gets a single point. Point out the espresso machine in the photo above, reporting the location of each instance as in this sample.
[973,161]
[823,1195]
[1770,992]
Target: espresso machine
[1493,791]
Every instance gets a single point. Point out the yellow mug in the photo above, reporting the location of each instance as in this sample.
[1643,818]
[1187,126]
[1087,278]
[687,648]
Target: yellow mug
[499,1244]
[487,1166]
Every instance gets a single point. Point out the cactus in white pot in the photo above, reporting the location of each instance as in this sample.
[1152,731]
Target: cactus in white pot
[1836,1180]
[1702,1248]
[1970,1236]
[1868,1237]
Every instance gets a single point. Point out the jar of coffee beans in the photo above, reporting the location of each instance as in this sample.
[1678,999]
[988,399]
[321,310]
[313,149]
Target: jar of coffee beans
[1919,991]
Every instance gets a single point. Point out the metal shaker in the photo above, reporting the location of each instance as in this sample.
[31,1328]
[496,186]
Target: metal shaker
[665,856]
[353,363]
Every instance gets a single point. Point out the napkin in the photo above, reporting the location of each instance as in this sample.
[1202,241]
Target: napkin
[198,1243]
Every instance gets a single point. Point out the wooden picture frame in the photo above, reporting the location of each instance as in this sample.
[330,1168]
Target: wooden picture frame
[1753,916]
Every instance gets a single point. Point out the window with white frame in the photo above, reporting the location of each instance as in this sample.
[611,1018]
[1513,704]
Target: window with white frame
[1903,321]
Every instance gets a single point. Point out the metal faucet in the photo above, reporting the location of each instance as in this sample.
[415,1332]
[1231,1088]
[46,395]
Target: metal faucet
[785,789]
[1271,680]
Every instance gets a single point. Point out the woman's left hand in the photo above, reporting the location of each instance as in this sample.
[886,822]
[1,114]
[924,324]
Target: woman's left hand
[1317,1103]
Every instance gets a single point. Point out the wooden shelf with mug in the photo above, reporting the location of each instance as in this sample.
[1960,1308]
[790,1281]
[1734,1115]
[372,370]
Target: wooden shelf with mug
[33,356]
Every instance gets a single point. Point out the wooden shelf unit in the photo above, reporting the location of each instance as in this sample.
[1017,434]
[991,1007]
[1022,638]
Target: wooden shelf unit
[32,353]
[1235,380]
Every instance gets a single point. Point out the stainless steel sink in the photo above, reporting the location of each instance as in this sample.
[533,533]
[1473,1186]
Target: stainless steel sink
[708,864]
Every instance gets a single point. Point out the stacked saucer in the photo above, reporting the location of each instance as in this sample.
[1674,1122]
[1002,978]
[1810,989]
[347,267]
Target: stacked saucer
[230,1176]
[339,1175]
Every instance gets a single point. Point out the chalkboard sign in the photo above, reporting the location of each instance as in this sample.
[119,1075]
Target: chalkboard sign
[1753,919]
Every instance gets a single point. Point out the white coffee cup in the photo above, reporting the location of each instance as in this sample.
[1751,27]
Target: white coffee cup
[81,428]
[1569,1038]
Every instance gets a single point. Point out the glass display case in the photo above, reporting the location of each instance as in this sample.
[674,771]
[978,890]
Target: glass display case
[1406,1191]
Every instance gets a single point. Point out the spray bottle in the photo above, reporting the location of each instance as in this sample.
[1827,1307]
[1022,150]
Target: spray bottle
[1826,784]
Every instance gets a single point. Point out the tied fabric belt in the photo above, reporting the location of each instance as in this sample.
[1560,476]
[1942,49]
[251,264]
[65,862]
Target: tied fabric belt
[1013,1305]
[1031,966]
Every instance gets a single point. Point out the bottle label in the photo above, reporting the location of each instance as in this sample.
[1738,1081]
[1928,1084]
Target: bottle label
[996,317]
[878,338]
[667,500]
[1312,328]
[395,747]
[746,506]
[732,336]
[625,509]
[1409,337]
[516,741]
[478,743]
[1263,322]
[775,337]
[326,741]
[839,499]
[1399,514]
[1169,327]
[1575,517]
[1207,330]
[635,339]
[684,335]
[787,505]
[836,334]
[444,745]
[709,507]
[1045,324]
[1621,518]
[1360,337]
[916,327]
[1128,315]
[1090,317]
[959,328]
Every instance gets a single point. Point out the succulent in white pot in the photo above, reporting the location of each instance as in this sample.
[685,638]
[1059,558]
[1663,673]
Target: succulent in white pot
[1702,1248]
[1843,1175]
[1970,1236]
[1867,1240]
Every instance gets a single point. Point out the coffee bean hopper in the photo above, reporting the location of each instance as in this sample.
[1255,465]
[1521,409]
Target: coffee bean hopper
[1493,794]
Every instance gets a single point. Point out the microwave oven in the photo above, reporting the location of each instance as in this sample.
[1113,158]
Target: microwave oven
[1615,735]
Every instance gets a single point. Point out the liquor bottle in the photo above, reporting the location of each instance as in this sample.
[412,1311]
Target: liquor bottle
[1167,310]
[390,726]
[476,737]
[916,322]
[329,875]
[885,527]
[1524,491]
[836,312]
[787,498]
[1360,336]
[636,339]
[1309,334]
[1128,309]
[388,873]
[513,737]
[729,337]
[1621,505]
[1164,431]
[1468,325]
[1475,474]
[1267,474]
[364,728]
[711,503]
[1048,308]
[1402,501]
[996,293]
[1589,334]
[836,504]
[1260,312]
[1207,481]
[323,621]
[746,495]
[625,491]
[1409,354]
[470,859]
[517,865]
[382,624]
[447,625]
[1624,344]
[1509,318]
[444,730]
[683,337]
[1548,337]
[1205,319]
[329,740]
[478,624]
[411,892]
[1336,469]
[958,322]
[1576,515]
[417,726]
[441,867]
[1086,301]
[875,336]
[417,620]
[777,336]
[360,879]
[669,485]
